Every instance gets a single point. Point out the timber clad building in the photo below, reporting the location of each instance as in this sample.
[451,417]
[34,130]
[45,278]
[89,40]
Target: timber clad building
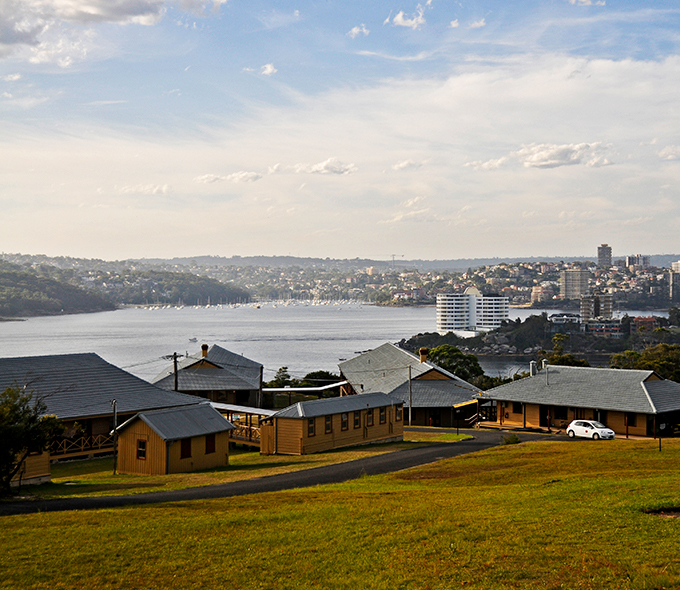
[439,398]
[325,424]
[636,403]
[78,389]
[175,440]
[216,374]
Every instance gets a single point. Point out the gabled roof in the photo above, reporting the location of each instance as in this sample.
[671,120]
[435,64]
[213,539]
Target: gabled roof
[76,386]
[177,423]
[434,393]
[586,387]
[335,405]
[228,372]
[386,368]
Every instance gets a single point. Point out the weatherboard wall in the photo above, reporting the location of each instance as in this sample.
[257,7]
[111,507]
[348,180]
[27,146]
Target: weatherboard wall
[154,463]
[292,436]
[35,469]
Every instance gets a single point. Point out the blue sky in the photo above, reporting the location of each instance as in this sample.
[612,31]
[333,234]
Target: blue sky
[144,128]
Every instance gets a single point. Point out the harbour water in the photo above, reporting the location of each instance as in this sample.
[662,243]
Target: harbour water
[303,337]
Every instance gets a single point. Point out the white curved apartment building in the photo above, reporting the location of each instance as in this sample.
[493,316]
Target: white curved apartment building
[470,312]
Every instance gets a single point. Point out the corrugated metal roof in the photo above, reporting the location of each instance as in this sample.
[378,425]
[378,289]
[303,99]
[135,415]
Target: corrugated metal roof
[77,386]
[586,387]
[335,405]
[434,394]
[386,368]
[232,372]
[177,423]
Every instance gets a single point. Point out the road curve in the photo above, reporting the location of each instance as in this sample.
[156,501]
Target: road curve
[337,473]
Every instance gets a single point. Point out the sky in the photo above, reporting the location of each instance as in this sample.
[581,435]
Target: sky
[342,129]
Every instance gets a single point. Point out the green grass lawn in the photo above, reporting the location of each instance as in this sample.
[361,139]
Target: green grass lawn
[535,515]
[94,477]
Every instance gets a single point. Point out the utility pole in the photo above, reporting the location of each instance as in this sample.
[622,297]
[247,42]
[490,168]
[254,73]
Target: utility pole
[410,397]
[114,405]
[174,364]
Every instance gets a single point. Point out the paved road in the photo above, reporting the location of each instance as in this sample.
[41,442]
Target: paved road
[340,472]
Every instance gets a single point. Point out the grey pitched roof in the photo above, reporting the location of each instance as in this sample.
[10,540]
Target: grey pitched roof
[586,387]
[232,372]
[187,422]
[335,405]
[76,386]
[386,368]
[428,393]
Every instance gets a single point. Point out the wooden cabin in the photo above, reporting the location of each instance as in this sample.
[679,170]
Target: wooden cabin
[78,389]
[437,397]
[34,470]
[630,402]
[332,423]
[175,440]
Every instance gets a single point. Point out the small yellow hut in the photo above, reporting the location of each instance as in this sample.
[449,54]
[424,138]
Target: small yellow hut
[174,440]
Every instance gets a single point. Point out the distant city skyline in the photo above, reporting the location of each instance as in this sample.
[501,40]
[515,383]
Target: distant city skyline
[425,130]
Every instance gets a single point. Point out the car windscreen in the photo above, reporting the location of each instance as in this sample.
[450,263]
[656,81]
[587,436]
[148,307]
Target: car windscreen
[598,425]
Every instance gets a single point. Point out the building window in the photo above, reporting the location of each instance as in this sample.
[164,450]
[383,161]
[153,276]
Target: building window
[357,419]
[631,419]
[369,417]
[209,443]
[310,427]
[516,407]
[344,421]
[329,424]
[398,413]
[383,415]
[185,451]
[141,449]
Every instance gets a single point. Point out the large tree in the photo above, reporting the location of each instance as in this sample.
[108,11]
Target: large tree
[450,358]
[24,428]
[663,358]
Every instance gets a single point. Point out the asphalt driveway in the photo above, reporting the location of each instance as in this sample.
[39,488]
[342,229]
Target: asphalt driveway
[338,473]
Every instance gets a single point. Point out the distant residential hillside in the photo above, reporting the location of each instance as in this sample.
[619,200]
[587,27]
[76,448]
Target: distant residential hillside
[29,292]
[156,286]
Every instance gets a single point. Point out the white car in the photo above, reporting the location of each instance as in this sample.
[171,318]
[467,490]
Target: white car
[589,429]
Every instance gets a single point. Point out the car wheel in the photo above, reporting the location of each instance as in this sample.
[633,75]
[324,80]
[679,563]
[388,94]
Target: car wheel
[595,436]
[571,433]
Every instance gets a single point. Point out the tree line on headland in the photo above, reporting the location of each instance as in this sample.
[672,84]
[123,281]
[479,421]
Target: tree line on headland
[48,290]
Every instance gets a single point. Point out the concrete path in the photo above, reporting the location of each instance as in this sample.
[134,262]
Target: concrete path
[329,474]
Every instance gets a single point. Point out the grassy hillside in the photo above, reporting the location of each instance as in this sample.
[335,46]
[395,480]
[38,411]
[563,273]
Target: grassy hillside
[536,515]
[27,292]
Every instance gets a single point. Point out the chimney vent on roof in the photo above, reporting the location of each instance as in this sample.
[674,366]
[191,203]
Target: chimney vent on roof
[204,350]
[423,354]
[533,368]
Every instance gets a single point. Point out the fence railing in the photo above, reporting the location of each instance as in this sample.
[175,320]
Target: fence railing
[82,444]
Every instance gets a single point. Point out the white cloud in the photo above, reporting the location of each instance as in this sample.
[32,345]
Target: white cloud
[478,24]
[146,189]
[209,178]
[244,177]
[235,177]
[406,164]
[414,22]
[488,165]
[587,2]
[274,169]
[360,30]
[5,95]
[423,55]
[547,155]
[12,77]
[268,70]
[454,24]
[670,152]
[59,31]
[330,166]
